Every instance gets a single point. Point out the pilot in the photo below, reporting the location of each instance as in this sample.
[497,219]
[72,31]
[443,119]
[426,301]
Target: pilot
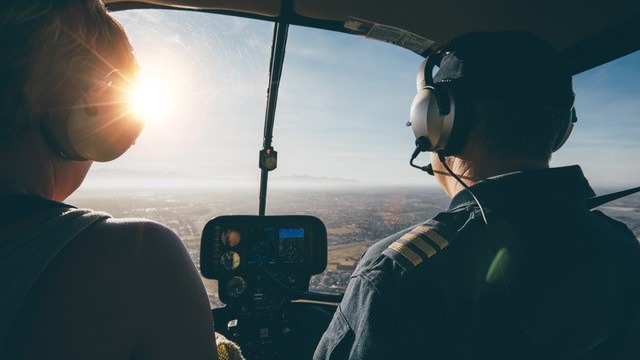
[518,267]
[79,284]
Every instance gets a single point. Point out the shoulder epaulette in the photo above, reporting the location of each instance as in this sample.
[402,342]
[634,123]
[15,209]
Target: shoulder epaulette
[419,244]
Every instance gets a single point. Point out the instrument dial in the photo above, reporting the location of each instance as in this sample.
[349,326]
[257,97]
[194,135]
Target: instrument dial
[236,286]
[230,260]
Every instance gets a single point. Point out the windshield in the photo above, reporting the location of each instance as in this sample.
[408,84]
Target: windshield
[343,148]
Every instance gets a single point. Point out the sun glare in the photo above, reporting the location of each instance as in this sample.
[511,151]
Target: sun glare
[150,99]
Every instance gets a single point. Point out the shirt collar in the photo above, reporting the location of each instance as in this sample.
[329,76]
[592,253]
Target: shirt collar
[563,184]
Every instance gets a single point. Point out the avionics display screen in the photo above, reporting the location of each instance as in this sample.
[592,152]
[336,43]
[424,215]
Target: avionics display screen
[291,246]
[282,246]
[232,244]
[263,249]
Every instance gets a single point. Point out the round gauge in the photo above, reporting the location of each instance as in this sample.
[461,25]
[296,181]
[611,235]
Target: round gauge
[231,237]
[230,260]
[236,286]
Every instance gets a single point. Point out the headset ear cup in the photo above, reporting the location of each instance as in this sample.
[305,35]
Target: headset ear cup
[427,119]
[102,137]
[100,126]
[433,111]
[54,131]
[573,118]
[422,102]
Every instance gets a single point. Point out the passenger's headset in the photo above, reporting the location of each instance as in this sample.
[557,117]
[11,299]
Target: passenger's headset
[100,126]
[440,112]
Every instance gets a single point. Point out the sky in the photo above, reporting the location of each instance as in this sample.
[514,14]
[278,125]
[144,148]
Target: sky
[341,114]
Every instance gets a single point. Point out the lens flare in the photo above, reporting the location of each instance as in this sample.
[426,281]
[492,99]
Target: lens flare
[150,99]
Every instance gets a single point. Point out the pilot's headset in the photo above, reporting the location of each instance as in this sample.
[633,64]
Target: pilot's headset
[100,126]
[440,111]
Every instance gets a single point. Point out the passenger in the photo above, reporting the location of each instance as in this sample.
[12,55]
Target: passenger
[543,277]
[78,284]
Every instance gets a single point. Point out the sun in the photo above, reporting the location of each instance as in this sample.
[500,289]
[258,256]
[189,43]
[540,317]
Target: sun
[158,94]
[150,98]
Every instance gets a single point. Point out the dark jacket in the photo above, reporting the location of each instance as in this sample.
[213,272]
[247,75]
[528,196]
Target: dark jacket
[545,278]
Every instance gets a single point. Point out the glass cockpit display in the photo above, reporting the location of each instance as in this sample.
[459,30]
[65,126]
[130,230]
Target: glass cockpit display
[236,244]
[291,245]
[281,246]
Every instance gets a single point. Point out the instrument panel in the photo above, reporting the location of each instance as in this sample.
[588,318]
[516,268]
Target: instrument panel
[237,250]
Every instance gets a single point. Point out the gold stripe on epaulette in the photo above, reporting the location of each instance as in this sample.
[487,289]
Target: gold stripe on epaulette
[422,245]
[433,235]
[414,258]
[409,236]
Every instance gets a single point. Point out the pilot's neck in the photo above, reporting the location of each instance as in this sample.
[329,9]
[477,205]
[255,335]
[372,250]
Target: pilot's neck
[473,171]
[30,167]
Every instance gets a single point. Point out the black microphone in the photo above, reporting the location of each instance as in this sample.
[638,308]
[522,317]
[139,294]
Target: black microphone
[422,145]
[428,169]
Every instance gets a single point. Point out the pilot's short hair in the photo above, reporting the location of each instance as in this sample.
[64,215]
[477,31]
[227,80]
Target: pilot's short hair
[518,87]
[507,130]
[52,49]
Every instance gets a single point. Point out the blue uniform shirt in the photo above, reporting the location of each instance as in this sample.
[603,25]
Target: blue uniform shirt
[547,278]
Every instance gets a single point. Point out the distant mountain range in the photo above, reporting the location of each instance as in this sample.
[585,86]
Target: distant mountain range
[135,179]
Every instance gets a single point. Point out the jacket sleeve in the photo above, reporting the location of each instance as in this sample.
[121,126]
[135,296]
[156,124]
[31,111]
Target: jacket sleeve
[363,325]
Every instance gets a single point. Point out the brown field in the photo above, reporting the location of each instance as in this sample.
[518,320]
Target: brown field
[343,230]
[344,256]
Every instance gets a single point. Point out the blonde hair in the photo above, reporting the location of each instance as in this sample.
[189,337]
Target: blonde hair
[39,43]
